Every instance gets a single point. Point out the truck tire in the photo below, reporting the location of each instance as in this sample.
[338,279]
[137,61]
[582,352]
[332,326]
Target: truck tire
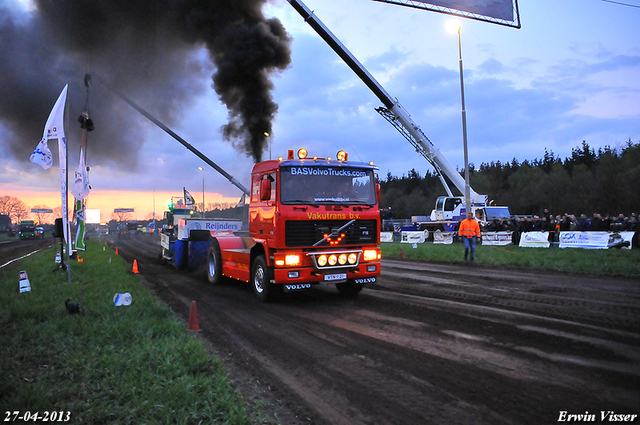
[349,288]
[214,263]
[261,280]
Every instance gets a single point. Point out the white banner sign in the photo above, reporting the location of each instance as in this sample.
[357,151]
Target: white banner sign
[211,225]
[444,238]
[535,240]
[386,236]
[92,215]
[413,237]
[496,238]
[594,240]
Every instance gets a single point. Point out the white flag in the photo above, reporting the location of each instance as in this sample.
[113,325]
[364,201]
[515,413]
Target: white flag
[188,199]
[53,129]
[42,155]
[81,188]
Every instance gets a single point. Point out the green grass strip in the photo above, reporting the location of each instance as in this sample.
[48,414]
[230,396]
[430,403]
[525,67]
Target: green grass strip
[132,364]
[600,262]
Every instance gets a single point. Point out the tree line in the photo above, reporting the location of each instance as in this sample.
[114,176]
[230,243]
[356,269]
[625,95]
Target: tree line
[17,210]
[605,181]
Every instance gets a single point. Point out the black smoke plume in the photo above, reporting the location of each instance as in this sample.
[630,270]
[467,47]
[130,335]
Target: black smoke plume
[148,50]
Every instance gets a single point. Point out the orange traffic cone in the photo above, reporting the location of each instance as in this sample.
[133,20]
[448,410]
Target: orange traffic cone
[116,251]
[135,266]
[194,326]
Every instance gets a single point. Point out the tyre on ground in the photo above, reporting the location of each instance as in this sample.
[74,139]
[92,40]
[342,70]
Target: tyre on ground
[214,263]
[261,276]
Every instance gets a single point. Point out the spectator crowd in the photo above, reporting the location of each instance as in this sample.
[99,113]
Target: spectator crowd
[547,222]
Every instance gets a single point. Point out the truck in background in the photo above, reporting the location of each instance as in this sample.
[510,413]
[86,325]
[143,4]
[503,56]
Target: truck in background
[311,221]
[182,234]
[28,229]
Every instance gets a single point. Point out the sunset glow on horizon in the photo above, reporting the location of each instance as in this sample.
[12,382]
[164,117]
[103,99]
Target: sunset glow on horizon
[107,200]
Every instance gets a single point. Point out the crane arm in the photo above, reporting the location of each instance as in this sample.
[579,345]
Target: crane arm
[392,111]
[179,139]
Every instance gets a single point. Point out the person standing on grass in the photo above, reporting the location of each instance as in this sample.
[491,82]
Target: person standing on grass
[469,230]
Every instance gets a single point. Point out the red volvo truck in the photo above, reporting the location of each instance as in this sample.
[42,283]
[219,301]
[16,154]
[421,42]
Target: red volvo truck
[311,221]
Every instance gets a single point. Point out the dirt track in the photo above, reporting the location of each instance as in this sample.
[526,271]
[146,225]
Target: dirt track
[13,248]
[428,344]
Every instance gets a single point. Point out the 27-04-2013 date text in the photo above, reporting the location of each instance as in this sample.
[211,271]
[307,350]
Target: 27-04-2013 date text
[53,416]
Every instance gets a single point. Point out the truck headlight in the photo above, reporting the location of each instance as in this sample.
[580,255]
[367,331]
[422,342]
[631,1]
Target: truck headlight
[333,259]
[322,260]
[288,260]
[352,258]
[292,260]
[342,259]
[371,255]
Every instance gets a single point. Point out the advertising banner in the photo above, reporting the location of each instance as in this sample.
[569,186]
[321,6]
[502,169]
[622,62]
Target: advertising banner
[386,236]
[496,238]
[413,237]
[92,215]
[594,240]
[628,236]
[443,238]
[535,240]
[211,225]
[503,12]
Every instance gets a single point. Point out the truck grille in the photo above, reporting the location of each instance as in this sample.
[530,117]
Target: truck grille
[308,232]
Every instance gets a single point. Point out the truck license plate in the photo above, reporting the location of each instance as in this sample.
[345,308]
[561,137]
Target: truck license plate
[335,276]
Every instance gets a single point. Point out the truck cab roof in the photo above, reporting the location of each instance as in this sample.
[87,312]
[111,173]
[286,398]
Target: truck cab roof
[309,162]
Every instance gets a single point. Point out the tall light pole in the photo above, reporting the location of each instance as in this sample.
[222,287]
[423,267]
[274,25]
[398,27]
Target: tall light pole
[455,26]
[202,169]
[154,211]
[269,137]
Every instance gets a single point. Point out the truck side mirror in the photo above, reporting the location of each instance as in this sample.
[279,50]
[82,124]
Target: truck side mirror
[265,189]
[378,191]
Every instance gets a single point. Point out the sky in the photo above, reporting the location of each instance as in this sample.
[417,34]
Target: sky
[570,74]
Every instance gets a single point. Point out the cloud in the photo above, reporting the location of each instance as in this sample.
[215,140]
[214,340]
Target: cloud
[151,52]
[491,66]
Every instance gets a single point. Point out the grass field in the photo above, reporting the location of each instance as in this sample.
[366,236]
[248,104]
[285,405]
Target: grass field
[132,364]
[604,262]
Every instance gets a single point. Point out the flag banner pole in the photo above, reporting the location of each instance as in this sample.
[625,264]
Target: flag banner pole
[80,191]
[80,223]
[54,129]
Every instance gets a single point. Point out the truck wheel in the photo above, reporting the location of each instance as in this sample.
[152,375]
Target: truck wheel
[349,288]
[261,280]
[214,263]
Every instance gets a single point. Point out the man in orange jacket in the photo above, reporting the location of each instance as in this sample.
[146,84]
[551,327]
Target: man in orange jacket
[469,230]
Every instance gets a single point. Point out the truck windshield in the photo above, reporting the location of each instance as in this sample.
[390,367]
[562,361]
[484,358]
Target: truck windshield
[327,185]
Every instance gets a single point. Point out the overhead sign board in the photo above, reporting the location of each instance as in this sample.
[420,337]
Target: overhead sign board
[92,216]
[503,12]
[123,210]
[42,210]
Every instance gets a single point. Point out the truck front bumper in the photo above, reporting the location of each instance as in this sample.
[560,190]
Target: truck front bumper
[363,273]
